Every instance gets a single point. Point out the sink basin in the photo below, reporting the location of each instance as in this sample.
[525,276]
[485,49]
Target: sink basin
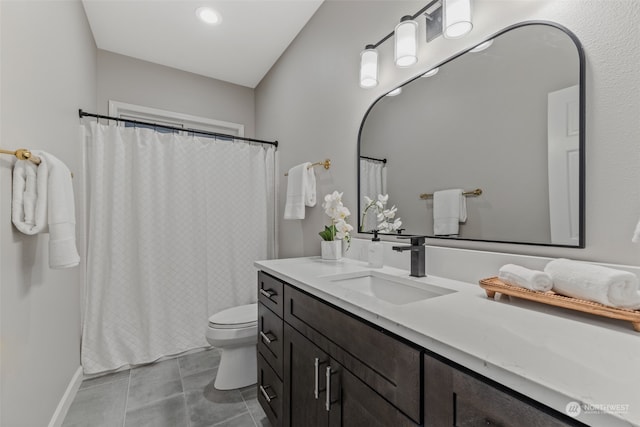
[392,289]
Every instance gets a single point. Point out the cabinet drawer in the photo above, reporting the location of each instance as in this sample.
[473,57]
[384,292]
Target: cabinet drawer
[270,338]
[455,398]
[389,366]
[270,392]
[270,292]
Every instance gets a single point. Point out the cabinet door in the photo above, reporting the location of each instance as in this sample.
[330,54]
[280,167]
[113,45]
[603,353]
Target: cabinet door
[454,398]
[305,381]
[354,404]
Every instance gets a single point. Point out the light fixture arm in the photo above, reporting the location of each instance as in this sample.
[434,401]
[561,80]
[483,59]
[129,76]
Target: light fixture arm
[413,17]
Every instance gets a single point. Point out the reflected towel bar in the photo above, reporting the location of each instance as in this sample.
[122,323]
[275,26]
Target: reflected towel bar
[476,192]
[22,154]
[326,163]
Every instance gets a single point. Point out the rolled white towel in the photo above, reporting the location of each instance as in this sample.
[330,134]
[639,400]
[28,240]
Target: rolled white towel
[605,285]
[525,278]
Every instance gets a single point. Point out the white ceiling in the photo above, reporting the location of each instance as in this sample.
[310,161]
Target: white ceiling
[241,49]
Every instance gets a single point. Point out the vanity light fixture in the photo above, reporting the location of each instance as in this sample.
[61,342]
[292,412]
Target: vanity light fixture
[396,91]
[369,67]
[208,15]
[482,46]
[456,18]
[431,72]
[456,22]
[406,42]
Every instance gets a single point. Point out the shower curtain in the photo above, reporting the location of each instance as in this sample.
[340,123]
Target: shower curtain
[373,181]
[175,224]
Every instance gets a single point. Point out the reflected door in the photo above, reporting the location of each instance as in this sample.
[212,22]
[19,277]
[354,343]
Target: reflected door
[564,165]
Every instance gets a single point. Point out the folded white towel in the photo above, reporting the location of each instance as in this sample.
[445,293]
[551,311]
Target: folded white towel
[43,196]
[29,198]
[301,191]
[449,209]
[607,286]
[525,278]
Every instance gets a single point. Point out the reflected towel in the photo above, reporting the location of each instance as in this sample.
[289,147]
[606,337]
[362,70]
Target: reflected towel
[615,288]
[525,278]
[449,210]
[301,191]
[43,196]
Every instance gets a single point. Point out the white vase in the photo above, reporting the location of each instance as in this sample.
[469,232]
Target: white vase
[331,250]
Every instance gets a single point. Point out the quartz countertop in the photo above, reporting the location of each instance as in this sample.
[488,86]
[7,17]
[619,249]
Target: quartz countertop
[553,355]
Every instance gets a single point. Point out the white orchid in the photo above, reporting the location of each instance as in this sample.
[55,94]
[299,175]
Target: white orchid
[385,217]
[339,229]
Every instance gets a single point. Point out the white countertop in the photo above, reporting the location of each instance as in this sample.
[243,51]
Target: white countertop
[552,355]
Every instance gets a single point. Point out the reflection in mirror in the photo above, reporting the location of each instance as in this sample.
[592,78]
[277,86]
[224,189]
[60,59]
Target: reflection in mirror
[508,120]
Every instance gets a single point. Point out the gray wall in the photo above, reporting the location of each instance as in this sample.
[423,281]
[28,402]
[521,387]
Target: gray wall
[311,102]
[48,68]
[125,79]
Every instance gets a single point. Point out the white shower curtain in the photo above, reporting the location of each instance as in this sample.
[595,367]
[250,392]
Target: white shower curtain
[373,181]
[175,224]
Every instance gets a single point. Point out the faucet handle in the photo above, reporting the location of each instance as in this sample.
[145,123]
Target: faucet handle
[415,240]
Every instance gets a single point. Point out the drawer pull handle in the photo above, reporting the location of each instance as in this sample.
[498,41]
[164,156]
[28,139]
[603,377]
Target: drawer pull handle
[268,338]
[267,293]
[266,394]
[316,364]
[328,400]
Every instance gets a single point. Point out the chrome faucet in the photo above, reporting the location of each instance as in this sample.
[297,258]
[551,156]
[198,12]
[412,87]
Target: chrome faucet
[417,254]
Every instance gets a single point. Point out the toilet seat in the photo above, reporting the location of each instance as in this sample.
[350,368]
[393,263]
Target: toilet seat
[243,316]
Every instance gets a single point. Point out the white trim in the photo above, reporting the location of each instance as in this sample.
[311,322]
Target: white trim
[67,399]
[119,109]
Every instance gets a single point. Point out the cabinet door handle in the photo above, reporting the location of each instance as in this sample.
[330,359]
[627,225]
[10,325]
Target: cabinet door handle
[316,364]
[328,400]
[268,338]
[267,293]
[266,394]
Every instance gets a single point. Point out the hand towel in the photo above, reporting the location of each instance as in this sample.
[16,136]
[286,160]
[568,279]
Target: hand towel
[449,210]
[301,191]
[607,286]
[52,205]
[525,278]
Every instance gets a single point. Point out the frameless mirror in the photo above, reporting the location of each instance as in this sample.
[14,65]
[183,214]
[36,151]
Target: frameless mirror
[507,120]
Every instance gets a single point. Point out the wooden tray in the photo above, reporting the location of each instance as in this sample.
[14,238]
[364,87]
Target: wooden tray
[492,285]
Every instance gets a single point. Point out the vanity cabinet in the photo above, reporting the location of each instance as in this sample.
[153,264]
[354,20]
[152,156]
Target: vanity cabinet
[334,369]
[319,365]
[455,398]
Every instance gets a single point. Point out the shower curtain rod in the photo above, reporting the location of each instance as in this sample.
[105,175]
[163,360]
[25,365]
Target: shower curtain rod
[374,159]
[202,132]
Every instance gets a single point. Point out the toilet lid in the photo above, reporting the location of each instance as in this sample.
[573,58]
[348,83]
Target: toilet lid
[243,316]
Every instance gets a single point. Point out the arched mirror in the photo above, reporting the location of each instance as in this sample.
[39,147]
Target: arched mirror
[507,120]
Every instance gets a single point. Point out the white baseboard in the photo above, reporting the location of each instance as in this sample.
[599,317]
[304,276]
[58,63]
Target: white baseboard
[67,399]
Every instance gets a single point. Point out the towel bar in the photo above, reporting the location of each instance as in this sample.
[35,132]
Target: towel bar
[326,164]
[22,154]
[476,192]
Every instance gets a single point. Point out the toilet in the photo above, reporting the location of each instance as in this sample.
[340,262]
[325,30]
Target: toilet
[235,332]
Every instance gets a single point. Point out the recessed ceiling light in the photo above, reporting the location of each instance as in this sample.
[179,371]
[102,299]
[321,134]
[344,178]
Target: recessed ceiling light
[431,72]
[396,91]
[482,46]
[208,15]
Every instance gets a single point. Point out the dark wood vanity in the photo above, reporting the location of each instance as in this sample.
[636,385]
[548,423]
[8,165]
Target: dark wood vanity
[319,365]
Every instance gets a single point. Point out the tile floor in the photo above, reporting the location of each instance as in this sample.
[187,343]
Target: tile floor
[172,393]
